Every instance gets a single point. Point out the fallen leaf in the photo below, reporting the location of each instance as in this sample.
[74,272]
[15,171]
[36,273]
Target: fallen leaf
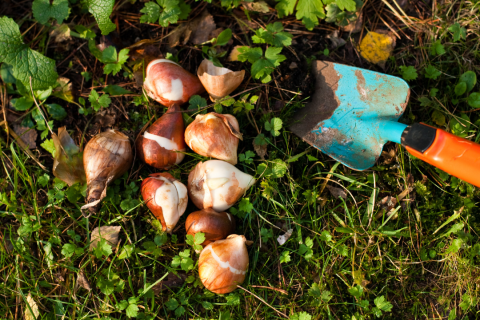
[337,192]
[355,26]
[82,281]
[64,91]
[105,118]
[235,53]
[336,41]
[197,31]
[68,160]
[376,47]
[172,281]
[284,237]
[109,233]
[31,310]
[259,6]
[61,33]
[261,150]
[28,135]
[293,65]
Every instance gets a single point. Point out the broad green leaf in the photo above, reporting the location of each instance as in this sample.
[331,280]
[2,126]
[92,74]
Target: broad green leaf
[274,126]
[22,103]
[56,111]
[249,54]
[454,246]
[273,35]
[132,311]
[356,291]
[26,62]
[349,5]
[458,31]
[431,72]
[49,145]
[474,100]
[68,249]
[207,305]
[437,48]
[300,316]
[278,168]
[102,249]
[470,78]
[309,11]
[151,13]
[43,10]
[383,304]
[438,118]
[408,73]
[115,90]
[245,205]
[285,7]
[460,88]
[224,37]
[101,10]
[285,257]
[6,72]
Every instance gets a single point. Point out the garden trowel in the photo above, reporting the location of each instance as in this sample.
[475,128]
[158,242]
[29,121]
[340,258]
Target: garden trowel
[354,112]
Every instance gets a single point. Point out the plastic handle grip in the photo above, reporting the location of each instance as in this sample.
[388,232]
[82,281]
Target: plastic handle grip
[454,155]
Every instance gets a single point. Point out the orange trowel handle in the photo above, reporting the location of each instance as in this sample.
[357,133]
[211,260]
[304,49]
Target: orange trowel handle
[457,156]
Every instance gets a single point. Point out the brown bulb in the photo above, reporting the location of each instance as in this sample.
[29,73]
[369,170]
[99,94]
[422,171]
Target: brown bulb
[215,225]
[219,82]
[168,83]
[107,156]
[166,197]
[223,264]
[160,142]
[214,135]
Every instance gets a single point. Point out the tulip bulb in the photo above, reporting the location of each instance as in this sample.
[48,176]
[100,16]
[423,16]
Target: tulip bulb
[217,184]
[166,197]
[107,156]
[214,135]
[215,225]
[219,82]
[159,144]
[168,83]
[223,264]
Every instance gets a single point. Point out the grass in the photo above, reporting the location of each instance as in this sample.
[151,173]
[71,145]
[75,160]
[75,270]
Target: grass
[352,254]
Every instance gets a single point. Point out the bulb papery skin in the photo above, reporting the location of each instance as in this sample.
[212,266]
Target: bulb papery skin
[219,82]
[223,264]
[166,197]
[215,225]
[168,83]
[217,184]
[159,144]
[107,156]
[214,135]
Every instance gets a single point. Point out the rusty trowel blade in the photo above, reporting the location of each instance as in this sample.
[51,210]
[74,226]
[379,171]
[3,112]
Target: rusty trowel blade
[348,106]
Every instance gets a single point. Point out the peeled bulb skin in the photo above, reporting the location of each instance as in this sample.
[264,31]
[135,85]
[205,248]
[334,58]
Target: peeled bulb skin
[217,184]
[166,197]
[219,82]
[223,264]
[214,135]
[168,83]
[107,156]
[159,143]
[215,225]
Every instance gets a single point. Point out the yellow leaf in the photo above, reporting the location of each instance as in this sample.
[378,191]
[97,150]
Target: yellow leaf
[31,313]
[376,47]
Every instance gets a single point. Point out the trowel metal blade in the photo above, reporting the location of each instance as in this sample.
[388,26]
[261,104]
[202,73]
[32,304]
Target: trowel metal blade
[342,120]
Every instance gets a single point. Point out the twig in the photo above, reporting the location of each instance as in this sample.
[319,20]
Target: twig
[270,288]
[253,294]
[71,54]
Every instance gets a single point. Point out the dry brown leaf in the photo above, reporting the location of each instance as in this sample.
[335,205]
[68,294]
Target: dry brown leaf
[109,233]
[172,281]
[234,54]
[336,41]
[31,310]
[284,237]
[337,192]
[259,6]
[261,150]
[61,33]
[82,281]
[355,26]
[28,135]
[68,161]
[64,91]
[197,31]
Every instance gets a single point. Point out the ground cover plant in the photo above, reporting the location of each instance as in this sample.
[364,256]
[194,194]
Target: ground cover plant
[398,241]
